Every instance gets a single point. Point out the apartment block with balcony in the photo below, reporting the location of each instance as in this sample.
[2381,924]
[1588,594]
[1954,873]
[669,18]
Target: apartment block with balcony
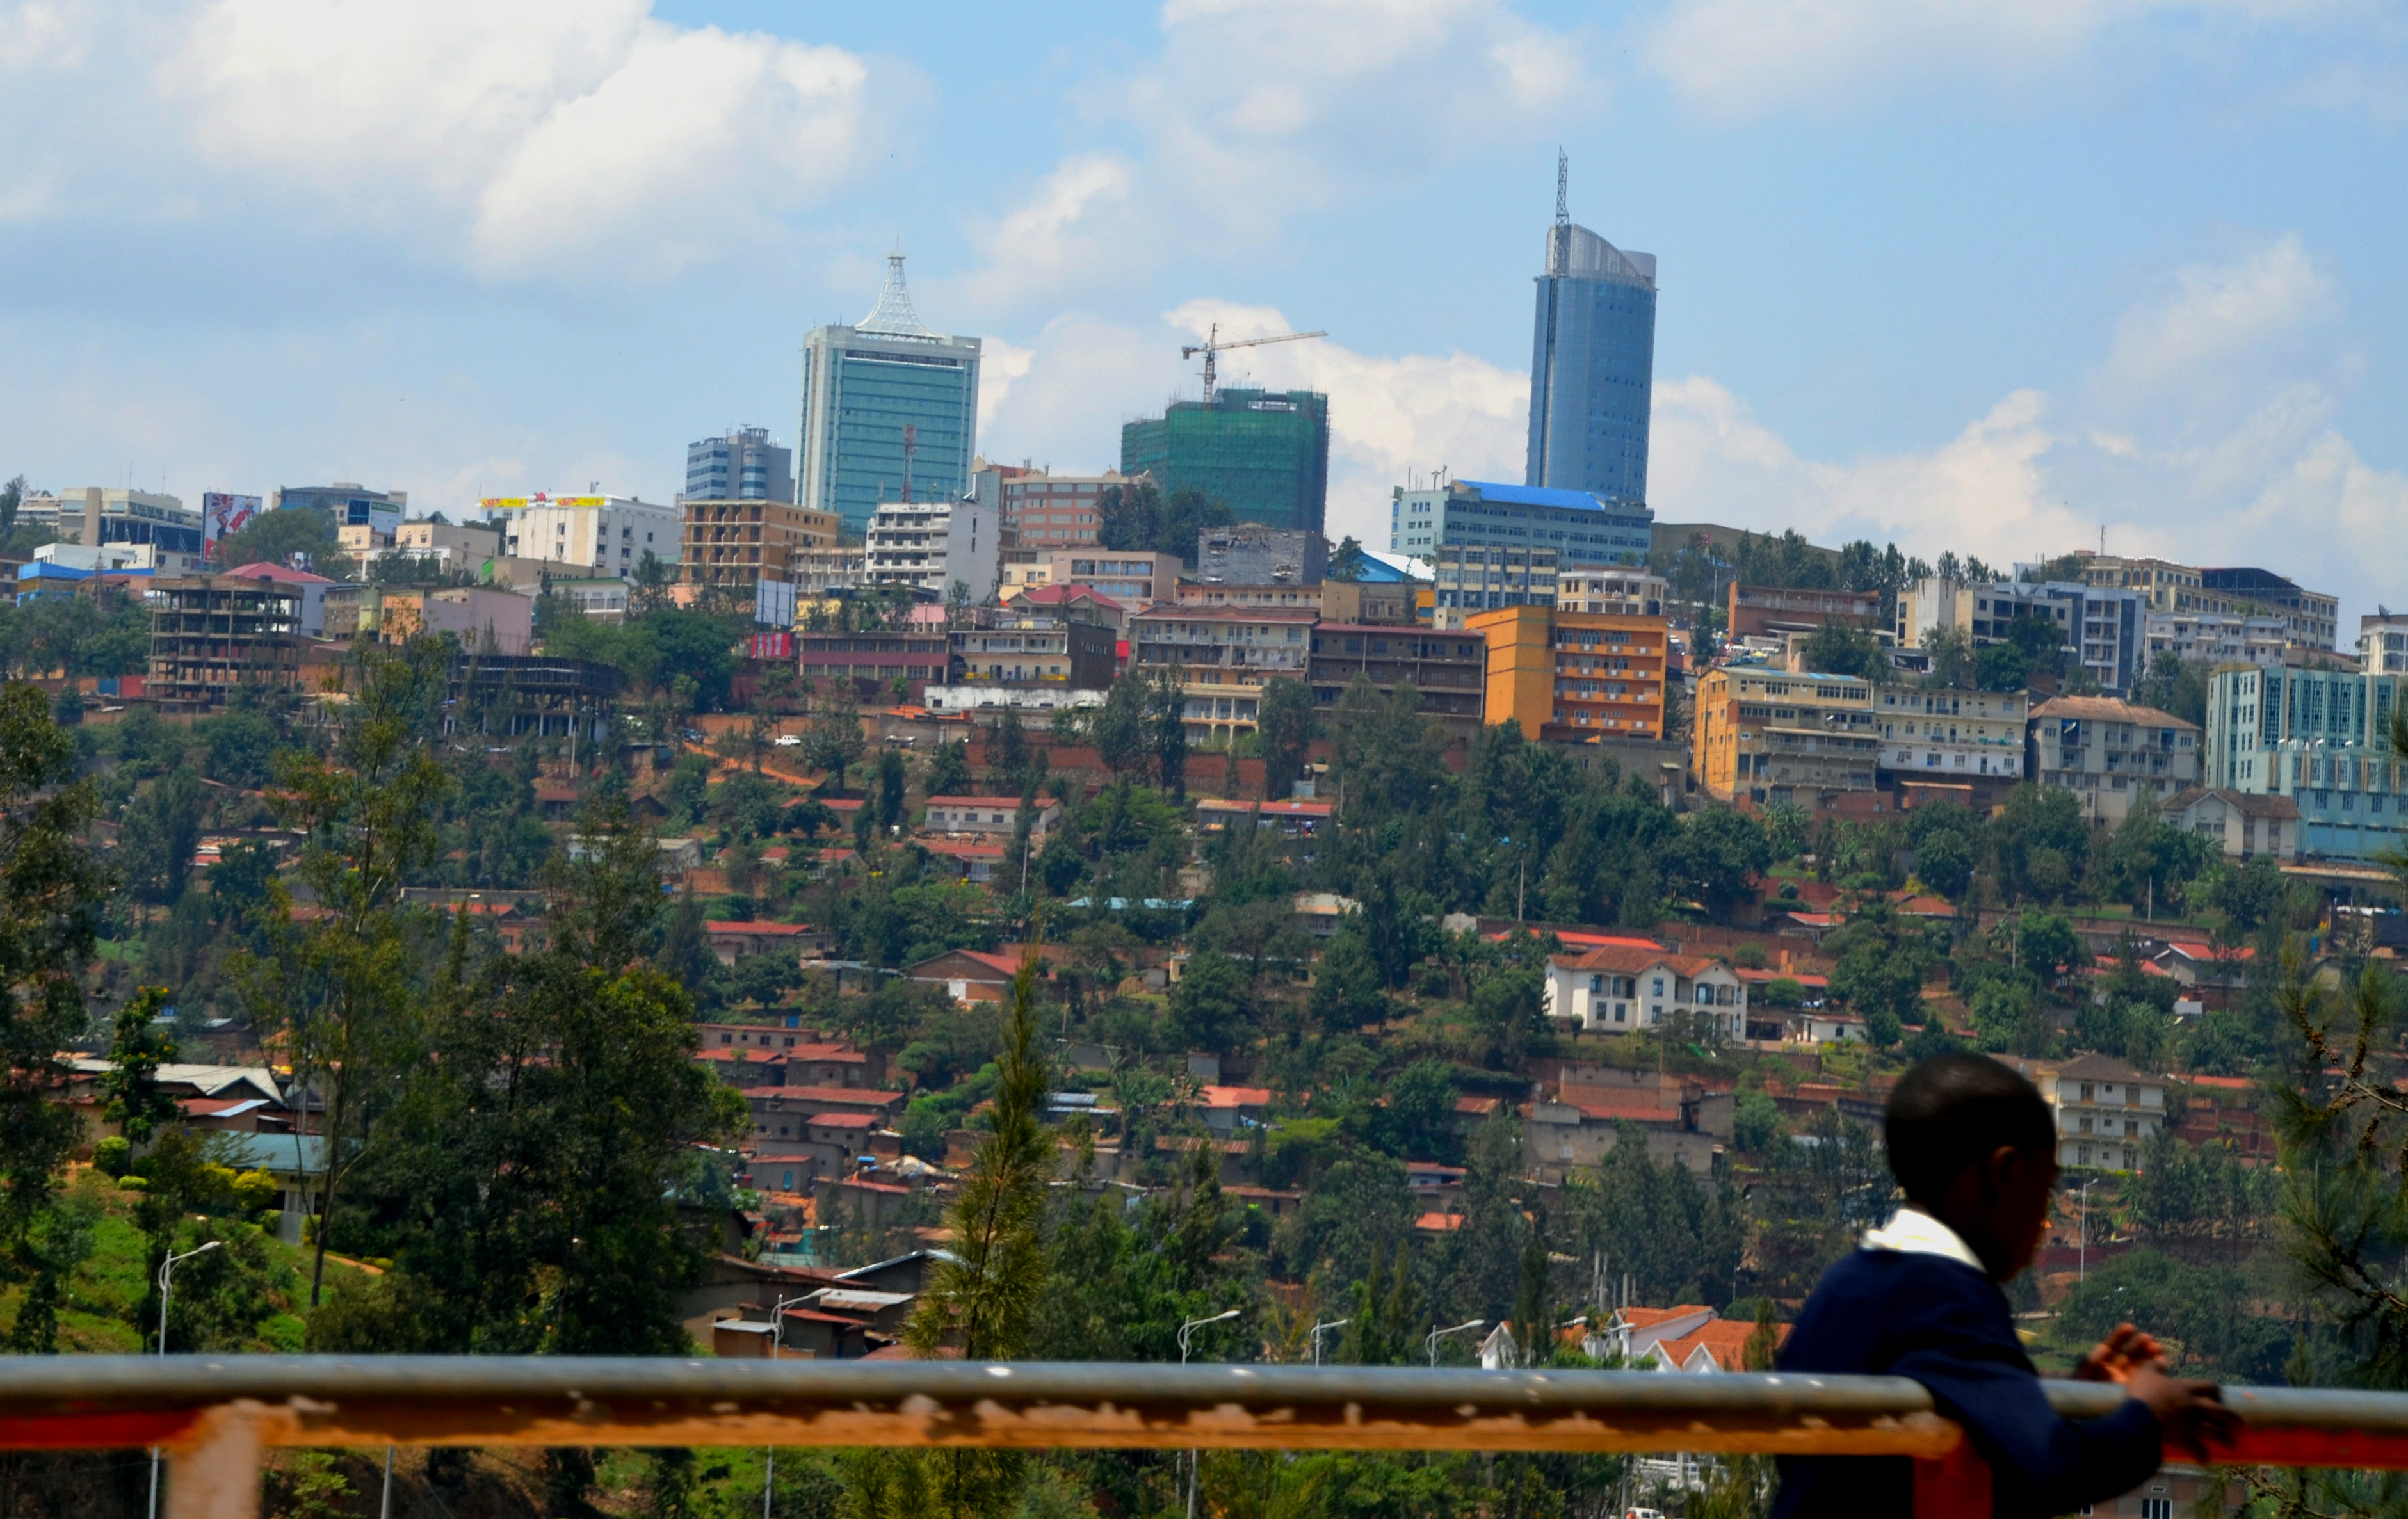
[2108,753]
[1222,658]
[1470,579]
[1936,734]
[1764,736]
[2105,1111]
[2383,643]
[1574,677]
[1033,662]
[935,547]
[1612,589]
[739,542]
[2217,637]
[1449,670]
[1038,510]
[2102,626]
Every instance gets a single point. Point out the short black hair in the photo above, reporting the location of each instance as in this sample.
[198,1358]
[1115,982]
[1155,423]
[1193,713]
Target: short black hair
[1955,1109]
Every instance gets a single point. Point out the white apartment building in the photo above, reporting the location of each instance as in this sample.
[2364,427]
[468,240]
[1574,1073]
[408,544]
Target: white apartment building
[1952,733]
[934,546]
[2217,637]
[1613,589]
[605,535]
[2383,643]
[2105,1111]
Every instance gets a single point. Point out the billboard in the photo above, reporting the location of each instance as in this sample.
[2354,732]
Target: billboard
[523,503]
[223,516]
[773,603]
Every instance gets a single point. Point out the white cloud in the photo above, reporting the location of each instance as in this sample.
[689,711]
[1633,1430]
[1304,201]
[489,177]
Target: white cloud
[1000,365]
[1257,111]
[1742,58]
[1055,233]
[2216,314]
[40,34]
[575,134]
[2198,481]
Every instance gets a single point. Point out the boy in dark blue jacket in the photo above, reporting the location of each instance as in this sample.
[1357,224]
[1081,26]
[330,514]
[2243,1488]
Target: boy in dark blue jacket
[1974,1149]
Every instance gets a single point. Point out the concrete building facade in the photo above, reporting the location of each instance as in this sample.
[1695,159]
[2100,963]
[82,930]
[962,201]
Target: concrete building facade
[1952,734]
[1449,670]
[1574,677]
[742,466]
[1222,658]
[1582,527]
[2319,737]
[934,546]
[604,535]
[2109,752]
[738,543]
[1764,736]
[1249,553]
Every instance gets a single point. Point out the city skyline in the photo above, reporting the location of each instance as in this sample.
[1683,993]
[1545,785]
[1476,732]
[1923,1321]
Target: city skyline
[1986,282]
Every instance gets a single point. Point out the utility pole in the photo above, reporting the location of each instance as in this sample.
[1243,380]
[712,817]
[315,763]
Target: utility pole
[166,1289]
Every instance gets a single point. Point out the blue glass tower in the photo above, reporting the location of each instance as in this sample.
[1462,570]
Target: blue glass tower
[863,386]
[1592,366]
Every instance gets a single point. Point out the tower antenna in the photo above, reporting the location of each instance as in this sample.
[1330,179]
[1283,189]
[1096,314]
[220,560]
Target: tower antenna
[1563,189]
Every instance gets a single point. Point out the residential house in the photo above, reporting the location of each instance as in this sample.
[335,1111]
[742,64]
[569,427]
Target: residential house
[1619,988]
[732,939]
[990,817]
[2239,824]
[2105,1111]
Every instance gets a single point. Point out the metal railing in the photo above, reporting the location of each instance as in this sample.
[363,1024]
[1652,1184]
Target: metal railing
[216,1415]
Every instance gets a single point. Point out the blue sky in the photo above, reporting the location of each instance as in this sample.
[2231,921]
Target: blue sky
[1982,275]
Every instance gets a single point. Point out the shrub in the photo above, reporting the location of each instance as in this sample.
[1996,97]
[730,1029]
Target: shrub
[113,1157]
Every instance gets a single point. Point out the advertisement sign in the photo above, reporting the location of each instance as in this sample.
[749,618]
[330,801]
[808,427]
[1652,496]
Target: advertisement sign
[773,603]
[223,516]
[541,498]
[773,646]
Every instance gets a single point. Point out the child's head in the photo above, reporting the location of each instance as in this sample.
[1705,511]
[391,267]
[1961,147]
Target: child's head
[1972,1144]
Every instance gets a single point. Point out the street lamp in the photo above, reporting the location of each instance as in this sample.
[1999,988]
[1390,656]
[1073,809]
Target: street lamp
[2082,1255]
[1319,1329]
[1196,1458]
[1437,1334]
[777,1344]
[167,1285]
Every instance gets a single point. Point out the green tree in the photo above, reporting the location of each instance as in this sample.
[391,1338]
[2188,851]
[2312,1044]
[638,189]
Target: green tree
[274,537]
[1346,560]
[1208,1005]
[137,1048]
[157,835]
[338,987]
[892,786]
[949,769]
[532,1185]
[1286,722]
[1348,988]
[834,741]
[982,1302]
[1944,863]
[1881,960]
[1120,728]
[1715,855]
[50,892]
[1843,647]
[1167,720]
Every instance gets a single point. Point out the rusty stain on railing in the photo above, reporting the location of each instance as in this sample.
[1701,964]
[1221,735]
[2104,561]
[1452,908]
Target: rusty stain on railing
[216,1414]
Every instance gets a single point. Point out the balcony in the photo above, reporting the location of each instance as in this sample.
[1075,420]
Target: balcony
[216,1415]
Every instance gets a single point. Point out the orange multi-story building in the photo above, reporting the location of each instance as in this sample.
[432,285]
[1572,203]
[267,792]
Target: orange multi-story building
[1581,677]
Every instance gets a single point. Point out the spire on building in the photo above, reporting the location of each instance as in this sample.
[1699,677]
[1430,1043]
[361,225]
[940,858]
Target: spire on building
[895,317]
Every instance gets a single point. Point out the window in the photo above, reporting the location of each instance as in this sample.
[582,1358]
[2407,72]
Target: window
[2156,1508]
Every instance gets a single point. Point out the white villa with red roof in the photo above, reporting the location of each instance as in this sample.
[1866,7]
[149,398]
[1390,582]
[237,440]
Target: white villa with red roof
[1619,988]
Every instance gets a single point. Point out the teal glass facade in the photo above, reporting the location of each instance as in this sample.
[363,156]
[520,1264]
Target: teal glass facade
[862,386]
[1592,368]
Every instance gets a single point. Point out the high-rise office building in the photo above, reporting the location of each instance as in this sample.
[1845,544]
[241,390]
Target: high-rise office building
[1265,453]
[742,466]
[887,404]
[1592,365]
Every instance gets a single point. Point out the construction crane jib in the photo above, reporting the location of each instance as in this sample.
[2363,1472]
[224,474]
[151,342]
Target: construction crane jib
[1212,345]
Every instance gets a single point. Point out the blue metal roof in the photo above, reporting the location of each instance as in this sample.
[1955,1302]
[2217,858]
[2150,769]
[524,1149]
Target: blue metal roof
[1543,496]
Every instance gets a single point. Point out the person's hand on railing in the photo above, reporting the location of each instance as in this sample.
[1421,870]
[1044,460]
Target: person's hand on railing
[2191,1414]
[2122,1353]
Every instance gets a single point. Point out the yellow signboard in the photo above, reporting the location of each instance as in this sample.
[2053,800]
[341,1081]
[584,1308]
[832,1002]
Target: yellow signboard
[524,502]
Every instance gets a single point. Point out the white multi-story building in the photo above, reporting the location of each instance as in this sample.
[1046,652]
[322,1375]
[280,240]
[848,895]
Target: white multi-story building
[1616,590]
[2108,751]
[1951,734]
[934,546]
[604,535]
[2217,637]
[2383,643]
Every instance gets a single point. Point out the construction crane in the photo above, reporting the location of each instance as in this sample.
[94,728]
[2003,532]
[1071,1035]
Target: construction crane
[1212,345]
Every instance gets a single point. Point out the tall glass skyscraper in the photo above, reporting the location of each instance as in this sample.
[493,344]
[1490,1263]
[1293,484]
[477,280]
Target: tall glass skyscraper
[1592,366]
[863,386]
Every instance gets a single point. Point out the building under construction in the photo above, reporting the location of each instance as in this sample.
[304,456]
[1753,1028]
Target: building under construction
[497,696]
[212,632]
[736,543]
[1266,454]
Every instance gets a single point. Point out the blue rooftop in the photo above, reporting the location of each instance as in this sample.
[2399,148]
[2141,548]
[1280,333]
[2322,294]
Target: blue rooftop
[1545,495]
